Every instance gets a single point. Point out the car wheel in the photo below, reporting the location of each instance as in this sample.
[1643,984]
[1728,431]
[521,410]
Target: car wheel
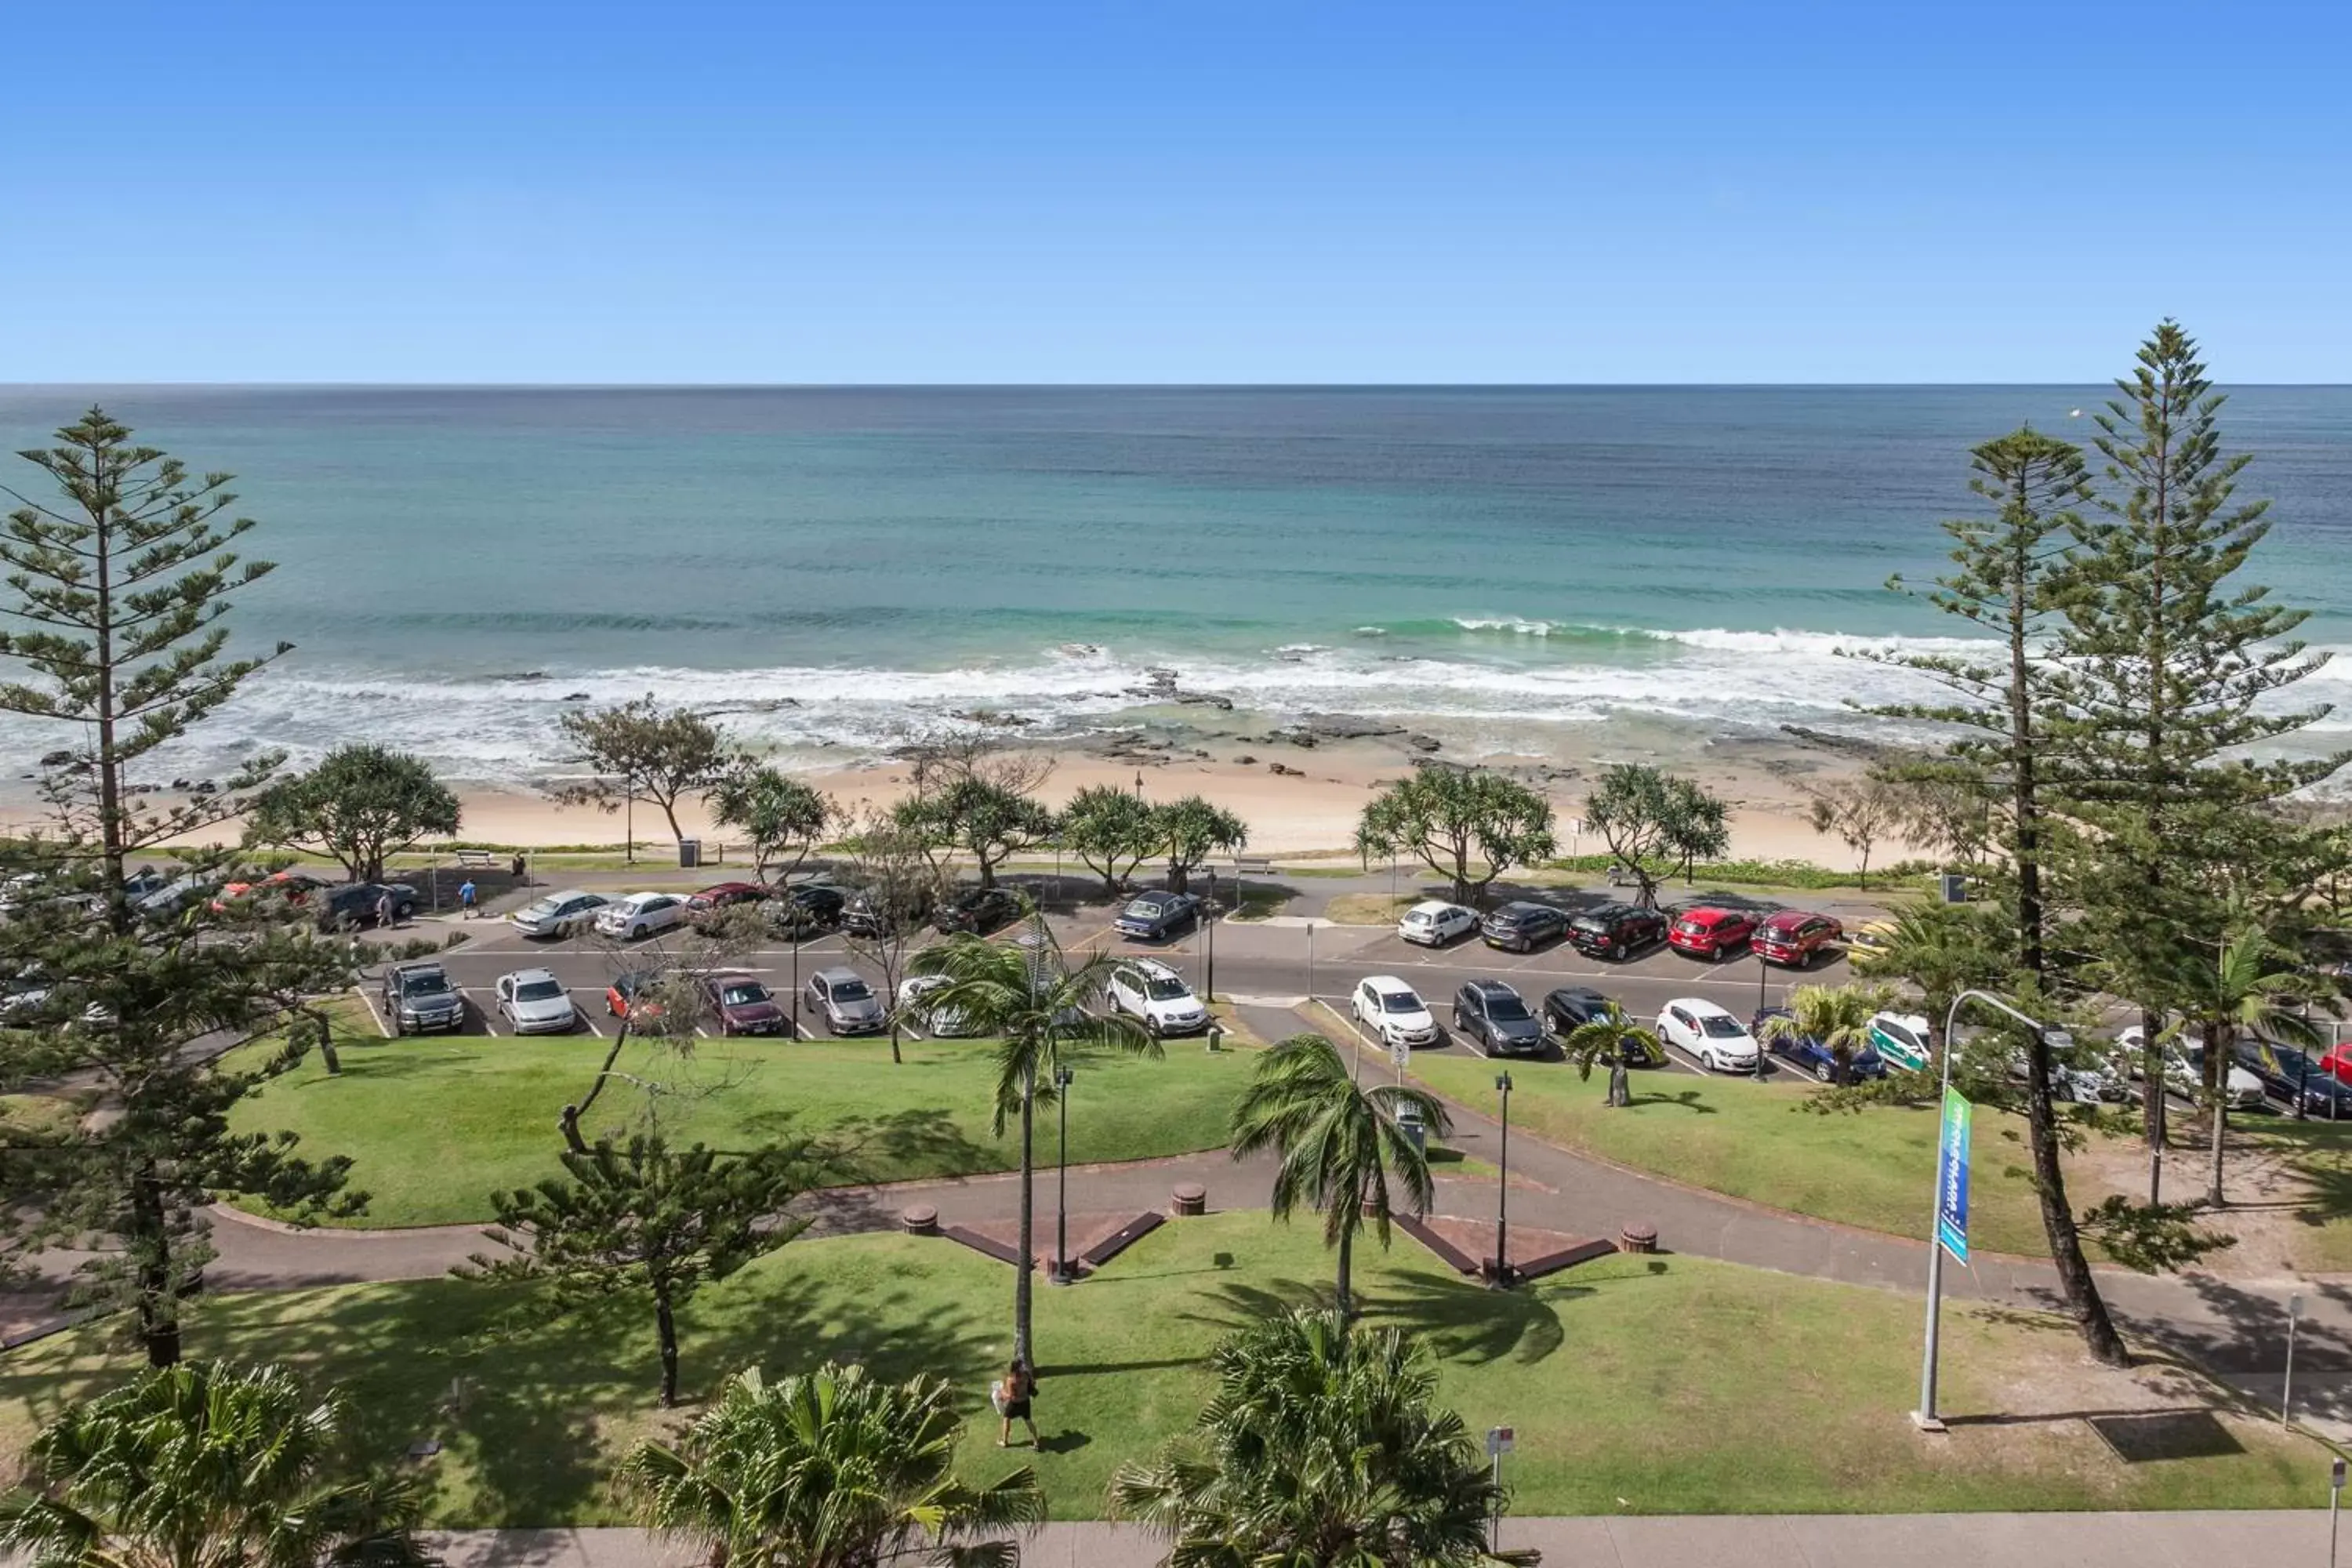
[1709,1062]
[1826,1072]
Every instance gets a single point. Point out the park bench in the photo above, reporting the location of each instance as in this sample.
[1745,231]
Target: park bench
[1566,1257]
[1125,1236]
[475,859]
[1453,1257]
[982,1244]
[1252,866]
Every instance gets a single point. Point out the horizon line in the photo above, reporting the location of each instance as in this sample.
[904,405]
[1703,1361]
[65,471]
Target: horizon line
[314,385]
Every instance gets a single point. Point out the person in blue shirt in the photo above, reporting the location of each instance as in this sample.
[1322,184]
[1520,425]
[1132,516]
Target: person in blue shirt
[465,898]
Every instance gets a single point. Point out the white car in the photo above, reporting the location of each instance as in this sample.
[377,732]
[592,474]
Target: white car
[1156,994]
[1900,1040]
[946,1024]
[1713,1034]
[1393,1012]
[1433,922]
[641,915]
[2184,1070]
[567,913]
[535,1003]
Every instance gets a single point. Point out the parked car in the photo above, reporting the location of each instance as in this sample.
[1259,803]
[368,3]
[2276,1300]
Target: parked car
[847,1004]
[977,909]
[1156,915]
[1616,931]
[1709,1032]
[864,914]
[1156,994]
[944,1023]
[362,904]
[1570,1007]
[641,915]
[708,904]
[1433,922]
[630,995]
[1393,1012]
[1522,926]
[2296,1080]
[418,999]
[1795,938]
[744,1006]
[567,913]
[1497,1022]
[1710,932]
[807,907]
[2184,1075]
[536,1003]
[1807,1053]
[161,903]
[2075,1077]
[294,886]
[1870,939]
[1900,1040]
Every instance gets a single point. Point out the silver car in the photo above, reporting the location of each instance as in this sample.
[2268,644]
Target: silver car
[566,913]
[847,1004]
[944,1023]
[536,1003]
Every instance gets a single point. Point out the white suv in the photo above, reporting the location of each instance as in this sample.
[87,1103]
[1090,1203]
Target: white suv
[641,915]
[1394,1013]
[1157,995]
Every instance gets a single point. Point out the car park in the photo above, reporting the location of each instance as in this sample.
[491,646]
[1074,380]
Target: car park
[1156,915]
[943,1023]
[864,914]
[977,909]
[2184,1069]
[1522,926]
[1900,1040]
[1569,1008]
[641,915]
[841,997]
[1709,932]
[743,1005]
[1794,939]
[1497,1022]
[553,915]
[631,995]
[1157,995]
[1393,1012]
[1708,1032]
[357,904]
[2296,1079]
[1433,922]
[418,999]
[1871,938]
[706,904]
[806,907]
[1616,931]
[1807,1053]
[536,1003]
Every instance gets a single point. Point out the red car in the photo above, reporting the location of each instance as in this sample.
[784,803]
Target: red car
[626,996]
[294,884]
[723,896]
[1794,937]
[1709,932]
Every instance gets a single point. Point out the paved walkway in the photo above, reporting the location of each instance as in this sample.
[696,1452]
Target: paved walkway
[1727,1540]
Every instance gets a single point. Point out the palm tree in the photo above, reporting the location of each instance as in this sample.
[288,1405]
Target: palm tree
[1028,995]
[1836,1015]
[1319,1447]
[1942,949]
[209,1464]
[828,1469]
[2254,988]
[1609,1035]
[1340,1143]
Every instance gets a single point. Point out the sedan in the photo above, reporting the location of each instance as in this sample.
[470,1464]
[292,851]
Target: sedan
[641,915]
[1522,926]
[1393,1012]
[743,1005]
[1709,1032]
[1496,1021]
[1710,932]
[1795,938]
[847,1004]
[1570,1007]
[810,907]
[944,1023]
[1155,917]
[977,909]
[1807,1053]
[711,902]
[2184,1069]
[1433,922]
[631,996]
[567,913]
[535,1003]
[2296,1080]
[362,904]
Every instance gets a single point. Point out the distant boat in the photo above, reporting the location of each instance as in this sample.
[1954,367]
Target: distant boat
[2073,414]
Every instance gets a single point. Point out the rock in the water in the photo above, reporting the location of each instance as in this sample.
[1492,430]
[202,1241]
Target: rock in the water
[1421,743]
[576,697]
[1245,759]
[57,759]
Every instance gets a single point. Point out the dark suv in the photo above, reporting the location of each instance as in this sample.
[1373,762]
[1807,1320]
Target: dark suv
[809,907]
[1616,931]
[979,909]
[359,904]
[1522,927]
[1491,1014]
[418,998]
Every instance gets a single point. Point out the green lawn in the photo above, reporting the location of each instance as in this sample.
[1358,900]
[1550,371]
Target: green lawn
[435,1123]
[2315,1159]
[1662,1384]
[1875,1170]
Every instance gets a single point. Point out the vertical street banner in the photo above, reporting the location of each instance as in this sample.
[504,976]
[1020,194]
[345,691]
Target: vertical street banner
[1952,1177]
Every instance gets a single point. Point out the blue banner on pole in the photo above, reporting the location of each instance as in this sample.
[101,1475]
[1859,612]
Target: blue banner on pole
[1952,1176]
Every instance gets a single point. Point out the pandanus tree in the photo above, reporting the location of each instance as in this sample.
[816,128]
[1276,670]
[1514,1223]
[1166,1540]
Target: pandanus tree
[1027,995]
[832,1469]
[1319,1447]
[1612,1037]
[1343,1147]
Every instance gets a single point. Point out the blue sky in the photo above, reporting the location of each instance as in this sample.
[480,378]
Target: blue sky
[1186,192]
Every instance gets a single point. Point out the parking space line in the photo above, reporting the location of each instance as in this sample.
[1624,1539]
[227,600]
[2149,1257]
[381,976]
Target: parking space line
[490,1019]
[701,1033]
[587,1020]
[381,1027]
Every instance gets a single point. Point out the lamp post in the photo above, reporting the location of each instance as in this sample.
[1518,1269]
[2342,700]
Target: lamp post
[1060,1273]
[1502,1280]
[1761,1067]
[1209,940]
[796,967]
[2334,1501]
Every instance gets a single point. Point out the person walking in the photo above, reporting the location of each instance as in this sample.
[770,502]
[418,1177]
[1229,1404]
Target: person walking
[383,912]
[466,896]
[1011,1396]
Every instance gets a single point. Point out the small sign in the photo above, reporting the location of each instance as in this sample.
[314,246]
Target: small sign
[1499,1440]
[1952,1176]
[1400,1053]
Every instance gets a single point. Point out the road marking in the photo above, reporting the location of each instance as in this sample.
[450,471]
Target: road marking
[381,1027]
[587,1021]
[701,1033]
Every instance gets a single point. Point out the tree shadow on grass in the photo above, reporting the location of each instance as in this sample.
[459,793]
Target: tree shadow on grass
[1462,1321]
[1688,1099]
[917,1141]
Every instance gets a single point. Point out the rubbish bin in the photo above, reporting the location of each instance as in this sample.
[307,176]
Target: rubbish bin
[1409,1122]
[1956,888]
[689,853]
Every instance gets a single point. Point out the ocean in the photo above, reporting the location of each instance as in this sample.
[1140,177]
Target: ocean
[840,570]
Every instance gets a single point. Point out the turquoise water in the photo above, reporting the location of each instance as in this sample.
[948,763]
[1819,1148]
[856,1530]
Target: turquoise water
[848,567]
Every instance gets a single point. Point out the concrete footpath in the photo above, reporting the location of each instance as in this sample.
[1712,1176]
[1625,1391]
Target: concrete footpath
[2204,1540]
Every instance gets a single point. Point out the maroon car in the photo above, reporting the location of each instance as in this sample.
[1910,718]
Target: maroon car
[719,896]
[744,1007]
[1794,938]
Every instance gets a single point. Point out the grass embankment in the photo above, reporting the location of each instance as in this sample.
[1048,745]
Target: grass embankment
[433,1124]
[1657,1386]
[2309,1174]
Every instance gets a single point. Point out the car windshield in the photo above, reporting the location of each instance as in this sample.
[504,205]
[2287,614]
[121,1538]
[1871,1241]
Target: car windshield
[741,996]
[424,985]
[851,991]
[1400,1002]
[538,991]
[1721,1025]
[1506,1009]
[1168,989]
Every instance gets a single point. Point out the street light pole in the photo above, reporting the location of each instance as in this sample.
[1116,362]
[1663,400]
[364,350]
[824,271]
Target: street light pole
[1208,938]
[1761,1053]
[1060,1273]
[1502,1280]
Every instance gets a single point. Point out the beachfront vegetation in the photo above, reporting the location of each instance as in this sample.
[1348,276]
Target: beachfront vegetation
[1110,830]
[360,806]
[1469,825]
[965,797]
[642,750]
[1653,822]
[1190,829]
[1860,811]
[782,818]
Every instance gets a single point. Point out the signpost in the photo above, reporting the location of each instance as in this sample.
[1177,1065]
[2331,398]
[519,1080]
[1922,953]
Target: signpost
[2286,1384]
[1499,1440]
[1401,1055]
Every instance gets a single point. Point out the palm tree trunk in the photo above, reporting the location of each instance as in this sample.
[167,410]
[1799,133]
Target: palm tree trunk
[2217,1084]
[1021,1279]
[666,1325]
[1621,1086]
[1343,1301]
